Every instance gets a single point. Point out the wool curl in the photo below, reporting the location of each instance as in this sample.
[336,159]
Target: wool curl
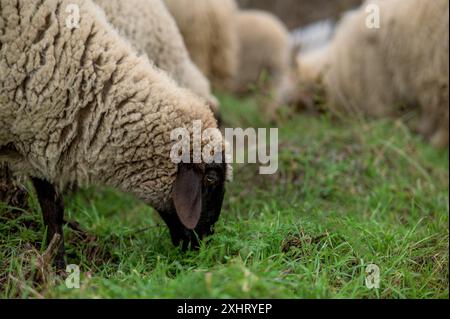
[151,30]
[79,106]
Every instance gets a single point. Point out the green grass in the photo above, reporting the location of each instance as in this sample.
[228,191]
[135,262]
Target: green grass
[346,195]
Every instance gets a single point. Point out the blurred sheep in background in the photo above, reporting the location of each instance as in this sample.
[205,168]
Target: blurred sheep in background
[265,59]
[209,31]
[384,71]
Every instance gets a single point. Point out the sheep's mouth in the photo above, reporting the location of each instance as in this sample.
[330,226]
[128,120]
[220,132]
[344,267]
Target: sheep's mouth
[186,238]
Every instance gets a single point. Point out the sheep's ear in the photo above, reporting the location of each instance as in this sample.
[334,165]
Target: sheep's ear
[187,196]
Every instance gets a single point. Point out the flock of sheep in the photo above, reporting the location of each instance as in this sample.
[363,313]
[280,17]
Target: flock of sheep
[380,72]
[94,103]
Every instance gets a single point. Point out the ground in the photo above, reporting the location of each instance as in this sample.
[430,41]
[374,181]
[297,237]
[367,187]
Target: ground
[347,194]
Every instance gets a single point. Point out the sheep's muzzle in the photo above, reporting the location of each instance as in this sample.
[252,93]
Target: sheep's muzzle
[197,197]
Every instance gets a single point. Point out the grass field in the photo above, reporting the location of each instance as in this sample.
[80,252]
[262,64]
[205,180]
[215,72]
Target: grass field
[346,195]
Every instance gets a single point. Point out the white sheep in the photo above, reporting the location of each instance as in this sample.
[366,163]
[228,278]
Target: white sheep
[376,71]
[209,31]
[266,57]
[150,28]
[79,106]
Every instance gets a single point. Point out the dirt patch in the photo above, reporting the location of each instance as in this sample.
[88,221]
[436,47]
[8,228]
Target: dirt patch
[300,240]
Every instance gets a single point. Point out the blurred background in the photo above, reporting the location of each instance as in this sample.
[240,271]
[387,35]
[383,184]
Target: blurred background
[299,13]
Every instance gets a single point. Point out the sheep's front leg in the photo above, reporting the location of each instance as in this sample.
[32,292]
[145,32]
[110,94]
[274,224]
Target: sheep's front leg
[52,207]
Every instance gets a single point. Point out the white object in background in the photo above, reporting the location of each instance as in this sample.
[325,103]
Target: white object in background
[313,36]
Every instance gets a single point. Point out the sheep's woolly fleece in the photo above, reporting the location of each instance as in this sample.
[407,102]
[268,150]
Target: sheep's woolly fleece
[265,46]
[150,28]
[79,105]
[209,31]
[403,63]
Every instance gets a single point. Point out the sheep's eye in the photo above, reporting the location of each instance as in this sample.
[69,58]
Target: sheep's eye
[210,179]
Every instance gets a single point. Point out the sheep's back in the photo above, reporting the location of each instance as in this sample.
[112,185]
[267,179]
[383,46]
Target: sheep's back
[150,28]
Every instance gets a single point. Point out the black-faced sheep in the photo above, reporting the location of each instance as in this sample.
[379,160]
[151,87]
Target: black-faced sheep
[78,105]
[209,31]
[404,63]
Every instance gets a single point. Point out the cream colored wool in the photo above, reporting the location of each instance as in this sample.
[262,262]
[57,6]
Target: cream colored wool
[264,47]
[150,28]
[79,106]
[312,65]
[404,63]
[209,31]
[265,50]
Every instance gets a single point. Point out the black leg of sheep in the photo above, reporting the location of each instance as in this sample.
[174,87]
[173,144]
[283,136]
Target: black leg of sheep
[52,207]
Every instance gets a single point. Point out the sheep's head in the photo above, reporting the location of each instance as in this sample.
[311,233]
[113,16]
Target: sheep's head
[197,197]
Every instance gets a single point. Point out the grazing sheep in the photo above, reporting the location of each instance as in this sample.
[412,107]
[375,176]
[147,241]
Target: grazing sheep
[209,31]
[150,28]
[311,66]
[265,51]
[404,63]
[79,106]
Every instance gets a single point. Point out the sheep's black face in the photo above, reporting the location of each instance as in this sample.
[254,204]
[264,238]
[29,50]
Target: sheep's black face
[197,201]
